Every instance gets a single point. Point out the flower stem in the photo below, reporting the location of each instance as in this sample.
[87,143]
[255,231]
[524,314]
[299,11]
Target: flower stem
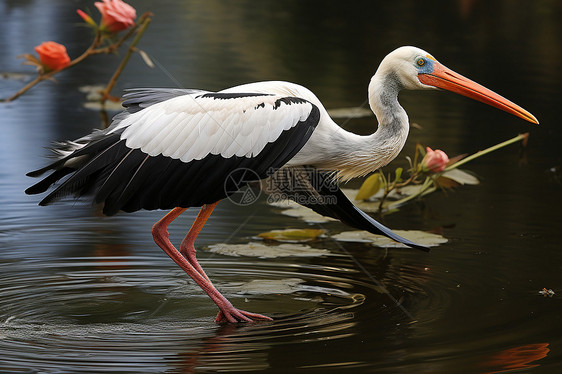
[427,187]
[132,47]
[520,137]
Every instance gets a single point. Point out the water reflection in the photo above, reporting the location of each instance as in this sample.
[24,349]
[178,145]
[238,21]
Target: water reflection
[79,292]
[518,358]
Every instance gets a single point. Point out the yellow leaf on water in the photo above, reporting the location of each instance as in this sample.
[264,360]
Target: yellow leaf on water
[292,235]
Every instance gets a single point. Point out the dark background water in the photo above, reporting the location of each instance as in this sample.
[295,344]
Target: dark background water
[80,292]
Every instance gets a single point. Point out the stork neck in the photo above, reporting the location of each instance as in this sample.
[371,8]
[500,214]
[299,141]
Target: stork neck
[383,99]
[393,124]
[352,155]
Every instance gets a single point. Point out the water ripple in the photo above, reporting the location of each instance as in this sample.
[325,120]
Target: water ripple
[148,316]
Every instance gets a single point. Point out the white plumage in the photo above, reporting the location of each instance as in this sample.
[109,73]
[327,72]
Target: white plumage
[190,127]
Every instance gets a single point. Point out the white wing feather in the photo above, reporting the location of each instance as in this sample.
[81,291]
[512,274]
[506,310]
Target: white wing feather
[192,126]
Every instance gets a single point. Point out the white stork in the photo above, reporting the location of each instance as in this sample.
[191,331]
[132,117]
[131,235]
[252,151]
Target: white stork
[178,148]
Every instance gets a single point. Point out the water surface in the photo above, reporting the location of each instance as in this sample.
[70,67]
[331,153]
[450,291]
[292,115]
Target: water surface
[80,292]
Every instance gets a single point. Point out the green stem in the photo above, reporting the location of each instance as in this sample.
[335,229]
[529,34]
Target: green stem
[424,190]
[125,60]
[520,137]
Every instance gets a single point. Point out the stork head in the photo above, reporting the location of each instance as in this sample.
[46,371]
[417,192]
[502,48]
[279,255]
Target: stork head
[416,69]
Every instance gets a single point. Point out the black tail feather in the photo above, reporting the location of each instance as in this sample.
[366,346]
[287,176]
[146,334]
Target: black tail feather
[348,213]
[318,191]
[80,182]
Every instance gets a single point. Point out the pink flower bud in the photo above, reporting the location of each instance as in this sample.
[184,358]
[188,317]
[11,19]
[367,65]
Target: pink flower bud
[86,18]
[116,15]
[53,55]
[434,161]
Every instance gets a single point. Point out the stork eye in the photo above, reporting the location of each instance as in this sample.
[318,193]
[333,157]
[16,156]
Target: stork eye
[421,62]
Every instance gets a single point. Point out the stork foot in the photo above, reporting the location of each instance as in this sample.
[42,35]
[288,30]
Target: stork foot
[233,315]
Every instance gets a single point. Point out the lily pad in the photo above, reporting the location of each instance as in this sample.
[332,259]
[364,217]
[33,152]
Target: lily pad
[10,75]
[417,236]
[260,250]
[109,105]
[271,286]
[292,235]
[93,96]
[293,209]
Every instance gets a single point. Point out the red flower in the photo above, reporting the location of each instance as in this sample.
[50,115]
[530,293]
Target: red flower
[434,161]
[53,55]
[116,15]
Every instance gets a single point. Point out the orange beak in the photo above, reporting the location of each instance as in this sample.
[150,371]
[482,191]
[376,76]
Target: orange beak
[443,77]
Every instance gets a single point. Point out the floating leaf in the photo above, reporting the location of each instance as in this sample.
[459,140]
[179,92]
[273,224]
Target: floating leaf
[271,286]
[267,251]
[370,186]
[418,237]
[293,209]
[93,92]
[461,177]
[292,235]
[109,105]
[14,76]
[93,97]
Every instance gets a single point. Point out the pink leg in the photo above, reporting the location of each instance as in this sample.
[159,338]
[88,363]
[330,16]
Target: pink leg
[187,247]
[227,312]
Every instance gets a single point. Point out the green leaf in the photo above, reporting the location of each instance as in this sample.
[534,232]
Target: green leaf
[398,174]
[369,187]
